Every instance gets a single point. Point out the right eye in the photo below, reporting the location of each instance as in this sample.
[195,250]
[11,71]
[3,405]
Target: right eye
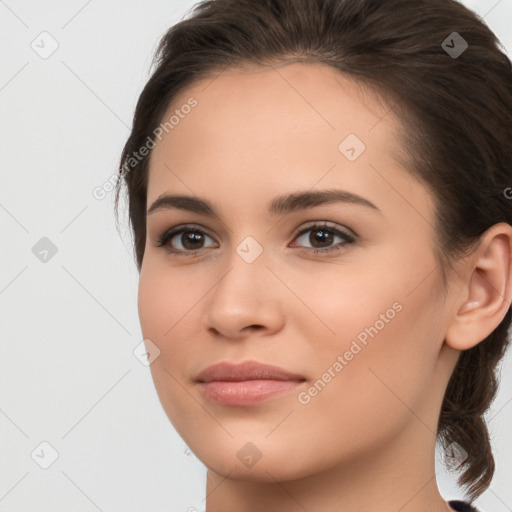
[190,237]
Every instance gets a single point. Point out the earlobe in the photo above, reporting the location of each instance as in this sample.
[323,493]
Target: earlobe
[485,297]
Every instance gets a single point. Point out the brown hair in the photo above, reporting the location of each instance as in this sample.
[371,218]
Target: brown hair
[455,111]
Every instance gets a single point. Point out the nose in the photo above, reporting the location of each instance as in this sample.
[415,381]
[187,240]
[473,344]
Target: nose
[246,299]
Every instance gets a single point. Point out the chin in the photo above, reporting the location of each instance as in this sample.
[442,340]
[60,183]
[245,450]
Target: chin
[262,471]
[239,460]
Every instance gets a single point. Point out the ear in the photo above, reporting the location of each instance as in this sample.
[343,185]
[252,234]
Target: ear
[486,294]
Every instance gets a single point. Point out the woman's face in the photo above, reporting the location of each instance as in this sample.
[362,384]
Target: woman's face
[354,308]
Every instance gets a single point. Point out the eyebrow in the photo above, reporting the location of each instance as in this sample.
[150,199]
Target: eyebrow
[278,206]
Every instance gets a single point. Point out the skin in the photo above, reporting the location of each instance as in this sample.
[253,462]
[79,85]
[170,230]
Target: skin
[367,440]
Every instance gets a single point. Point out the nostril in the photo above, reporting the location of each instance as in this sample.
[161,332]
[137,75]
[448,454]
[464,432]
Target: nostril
[255,327]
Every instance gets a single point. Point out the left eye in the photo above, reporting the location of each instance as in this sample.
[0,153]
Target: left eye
[322,233]
[192,238]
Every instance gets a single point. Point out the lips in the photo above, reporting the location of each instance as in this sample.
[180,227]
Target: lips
[249,370]
[245,384]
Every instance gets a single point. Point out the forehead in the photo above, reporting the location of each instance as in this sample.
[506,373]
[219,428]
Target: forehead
[279,124]
[281,102]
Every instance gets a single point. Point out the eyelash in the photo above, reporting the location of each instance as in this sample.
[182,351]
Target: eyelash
[164,239]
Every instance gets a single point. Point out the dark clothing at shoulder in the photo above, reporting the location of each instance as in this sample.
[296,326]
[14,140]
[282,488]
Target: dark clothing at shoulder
[462,506]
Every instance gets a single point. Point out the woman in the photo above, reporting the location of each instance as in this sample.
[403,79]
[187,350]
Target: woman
[318,196]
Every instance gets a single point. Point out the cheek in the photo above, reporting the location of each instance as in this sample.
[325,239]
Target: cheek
[166,300]
[168,314]
[393,295]
[382,384]
[380,322]
[344,302]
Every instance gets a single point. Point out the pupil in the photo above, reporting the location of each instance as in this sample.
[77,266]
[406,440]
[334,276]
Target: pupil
[192,237]
[325,238]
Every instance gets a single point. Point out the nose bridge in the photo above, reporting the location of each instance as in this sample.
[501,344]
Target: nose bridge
[246,270]
[242,297]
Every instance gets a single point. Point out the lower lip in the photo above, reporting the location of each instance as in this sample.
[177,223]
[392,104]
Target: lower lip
[247,392]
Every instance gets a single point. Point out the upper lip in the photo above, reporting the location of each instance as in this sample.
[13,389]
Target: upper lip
[248,370]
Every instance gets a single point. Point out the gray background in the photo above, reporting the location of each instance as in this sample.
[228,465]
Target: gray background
[69,325]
